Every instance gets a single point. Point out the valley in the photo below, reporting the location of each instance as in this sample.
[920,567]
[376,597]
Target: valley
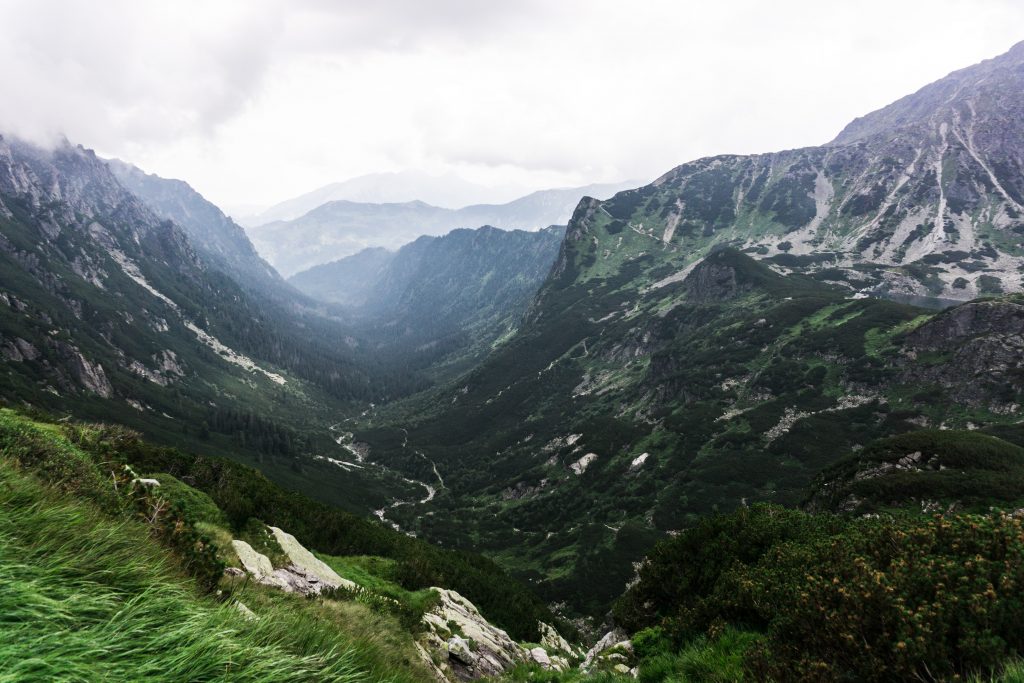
[597,433]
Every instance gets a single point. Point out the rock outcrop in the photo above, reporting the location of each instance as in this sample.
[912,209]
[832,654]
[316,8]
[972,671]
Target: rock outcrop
[467,645]
[304,562]
[304,574]
[614,652]
[552,641]
[975,351]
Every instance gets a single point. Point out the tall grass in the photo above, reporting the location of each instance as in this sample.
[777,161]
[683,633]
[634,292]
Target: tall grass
[85,597]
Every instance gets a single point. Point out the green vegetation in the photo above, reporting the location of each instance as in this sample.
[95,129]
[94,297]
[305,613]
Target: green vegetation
[896,597]
[81,458]
[379,576]
[938,468]
[732,380]
[87,595]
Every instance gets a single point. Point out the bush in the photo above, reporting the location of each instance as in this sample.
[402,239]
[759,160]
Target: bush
[682,574]
[891,598]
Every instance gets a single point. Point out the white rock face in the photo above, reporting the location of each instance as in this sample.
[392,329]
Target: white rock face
[639,461]
[473,646]
[581,465]
[540,656]
[611,639]
[304,574]
[255,564]
[307,563]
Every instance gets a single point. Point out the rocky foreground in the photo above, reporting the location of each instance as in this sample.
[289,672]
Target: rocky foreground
[457,642]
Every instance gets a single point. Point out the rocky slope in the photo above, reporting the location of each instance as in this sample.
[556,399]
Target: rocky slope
[341,228]
[108,312]
[923,197]
[926,471]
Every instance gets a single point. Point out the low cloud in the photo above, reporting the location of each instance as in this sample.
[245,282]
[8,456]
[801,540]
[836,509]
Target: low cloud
[253,101]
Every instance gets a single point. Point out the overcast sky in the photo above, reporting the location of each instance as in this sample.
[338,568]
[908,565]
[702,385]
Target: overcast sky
[256,101]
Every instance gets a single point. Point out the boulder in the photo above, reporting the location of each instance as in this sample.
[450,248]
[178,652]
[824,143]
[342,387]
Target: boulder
[304,574]
[559,663]
[246,613]
[540,656]
[305,564]
[613,643]
[255,564]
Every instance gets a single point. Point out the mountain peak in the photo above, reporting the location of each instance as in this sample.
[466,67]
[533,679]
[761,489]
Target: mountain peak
[995,82]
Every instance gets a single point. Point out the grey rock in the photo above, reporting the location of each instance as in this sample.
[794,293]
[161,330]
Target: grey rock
[492,653]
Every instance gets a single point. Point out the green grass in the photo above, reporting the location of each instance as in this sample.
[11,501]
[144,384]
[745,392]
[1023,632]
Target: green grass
[703,660]
[94,589]
[90,598]
[375,574]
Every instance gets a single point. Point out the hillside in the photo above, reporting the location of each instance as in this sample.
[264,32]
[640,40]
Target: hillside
[438,299]
[930,470]
[341,228]
[212,233]
[116,553]
[920,198]
[757,420]
[108,312]
[710,340]
[619,413]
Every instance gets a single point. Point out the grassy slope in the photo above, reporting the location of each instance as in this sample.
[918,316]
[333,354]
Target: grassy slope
[89,597]
[224,500]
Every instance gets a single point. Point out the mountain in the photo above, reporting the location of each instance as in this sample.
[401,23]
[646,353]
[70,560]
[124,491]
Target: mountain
[107,312]
[447,190]
[211,232]
[342,228]
[350,281]
[921,198]
[465,289]
[709,340]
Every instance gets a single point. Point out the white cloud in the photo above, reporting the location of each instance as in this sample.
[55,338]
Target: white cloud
[254,101]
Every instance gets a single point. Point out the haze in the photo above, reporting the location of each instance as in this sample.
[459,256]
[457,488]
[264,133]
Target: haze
[254,102]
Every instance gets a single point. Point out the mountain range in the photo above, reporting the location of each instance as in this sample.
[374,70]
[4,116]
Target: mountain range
[446,190]
[691,417]
[341,228]
[711,340]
